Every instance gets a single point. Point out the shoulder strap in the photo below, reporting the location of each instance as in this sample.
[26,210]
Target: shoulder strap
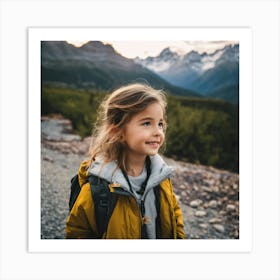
[104,202]
[74,192]
[157,202]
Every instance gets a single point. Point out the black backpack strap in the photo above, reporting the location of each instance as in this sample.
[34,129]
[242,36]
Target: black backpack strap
[74,192]
[104,202]
[157,202]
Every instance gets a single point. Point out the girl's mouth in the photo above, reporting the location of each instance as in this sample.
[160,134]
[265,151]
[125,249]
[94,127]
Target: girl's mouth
[153,144]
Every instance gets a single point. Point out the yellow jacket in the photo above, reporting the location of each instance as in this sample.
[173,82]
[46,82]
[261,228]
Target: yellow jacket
[126,219]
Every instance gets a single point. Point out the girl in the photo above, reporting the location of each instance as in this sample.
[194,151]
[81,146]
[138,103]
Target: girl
[129,133]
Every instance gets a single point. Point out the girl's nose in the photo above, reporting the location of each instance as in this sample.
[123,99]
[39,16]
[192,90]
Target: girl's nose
[157,131]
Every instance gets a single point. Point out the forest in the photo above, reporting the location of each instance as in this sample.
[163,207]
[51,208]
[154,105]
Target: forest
[201,131]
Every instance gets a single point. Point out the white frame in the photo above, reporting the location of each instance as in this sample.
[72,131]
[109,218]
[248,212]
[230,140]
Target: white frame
[242,35]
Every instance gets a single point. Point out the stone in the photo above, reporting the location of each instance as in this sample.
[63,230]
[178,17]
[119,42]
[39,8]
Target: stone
[47,158]
[215,189]
[226,188]
[213,204]
[230,207]
[195,203]
[219,228]
[205,189]
[182,187]
[183,193]
[222,213]
[215,221]
[200,213]
[236,234]
[203,226]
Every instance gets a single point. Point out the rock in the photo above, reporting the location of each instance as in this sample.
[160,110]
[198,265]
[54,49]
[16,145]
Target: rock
[209,182]
[215,189]
[213,204]
[203,226]
[219,228]
[183,193]
[200,213]
[47,158]
[206,189]
[236,234]
[182,187]
[226,188]
[195,188]
[230,207]
[222,213]
[195,203]
[215,221]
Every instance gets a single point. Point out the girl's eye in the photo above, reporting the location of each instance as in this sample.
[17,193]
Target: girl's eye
[147,123]
[161,125]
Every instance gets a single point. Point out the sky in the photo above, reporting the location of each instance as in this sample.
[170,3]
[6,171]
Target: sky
[143,49]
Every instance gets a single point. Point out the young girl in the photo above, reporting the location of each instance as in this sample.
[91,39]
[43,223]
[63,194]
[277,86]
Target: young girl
[129,133]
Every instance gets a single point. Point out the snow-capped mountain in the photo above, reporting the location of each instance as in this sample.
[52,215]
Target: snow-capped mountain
[160,63]
[207,74]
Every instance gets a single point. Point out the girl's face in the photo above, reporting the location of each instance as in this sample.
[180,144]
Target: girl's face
[144,133]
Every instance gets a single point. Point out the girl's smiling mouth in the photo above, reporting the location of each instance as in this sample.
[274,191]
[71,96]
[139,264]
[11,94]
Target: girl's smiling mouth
[154,144]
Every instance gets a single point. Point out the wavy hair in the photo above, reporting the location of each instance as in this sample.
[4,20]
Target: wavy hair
[115,111]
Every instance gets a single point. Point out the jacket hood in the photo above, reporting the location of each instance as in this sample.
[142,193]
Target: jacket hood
[110,172]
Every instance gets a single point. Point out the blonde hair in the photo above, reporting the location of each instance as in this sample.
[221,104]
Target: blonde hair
[114,112]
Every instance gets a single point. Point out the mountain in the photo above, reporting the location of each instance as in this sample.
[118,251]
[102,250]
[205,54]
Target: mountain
[159,63]
[96,65]
[212,75]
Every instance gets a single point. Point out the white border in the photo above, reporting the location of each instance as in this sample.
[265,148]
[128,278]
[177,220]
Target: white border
[242,35]
[262,16]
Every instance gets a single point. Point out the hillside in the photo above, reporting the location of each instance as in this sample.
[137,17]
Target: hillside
[96,66]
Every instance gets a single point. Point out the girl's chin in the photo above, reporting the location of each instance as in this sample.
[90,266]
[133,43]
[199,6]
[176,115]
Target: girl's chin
[152,153]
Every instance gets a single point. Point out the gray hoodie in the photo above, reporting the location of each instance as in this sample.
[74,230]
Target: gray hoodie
[159,171]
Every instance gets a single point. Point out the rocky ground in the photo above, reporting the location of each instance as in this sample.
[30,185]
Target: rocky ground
[209,197]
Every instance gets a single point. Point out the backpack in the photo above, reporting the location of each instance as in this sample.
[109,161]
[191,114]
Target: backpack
[104,200]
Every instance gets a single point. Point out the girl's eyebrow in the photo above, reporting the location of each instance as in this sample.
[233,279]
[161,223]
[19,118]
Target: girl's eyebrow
[148,119]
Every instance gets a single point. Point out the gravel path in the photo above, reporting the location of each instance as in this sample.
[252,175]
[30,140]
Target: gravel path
[56,171]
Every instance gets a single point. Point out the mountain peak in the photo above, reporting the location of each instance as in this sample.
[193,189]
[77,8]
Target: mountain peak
[193,55]
[57,49]
[97,46]
[167,52]
[159,63]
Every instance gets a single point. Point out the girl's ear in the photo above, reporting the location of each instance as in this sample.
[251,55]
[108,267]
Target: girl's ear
[122,139]
[121,135]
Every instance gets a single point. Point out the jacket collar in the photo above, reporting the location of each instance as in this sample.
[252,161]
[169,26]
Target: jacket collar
[110,172]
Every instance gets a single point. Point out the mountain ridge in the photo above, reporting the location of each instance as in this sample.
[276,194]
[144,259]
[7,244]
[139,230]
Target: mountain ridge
[203,73]
[96,65]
